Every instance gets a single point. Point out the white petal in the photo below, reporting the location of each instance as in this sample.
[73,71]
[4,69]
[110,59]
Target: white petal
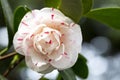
[29,50]
[34,59]
[29,21]
[72,36]
[72,40]
[53,17]
[17,42]
[56,54]
[65,62]
[42,69]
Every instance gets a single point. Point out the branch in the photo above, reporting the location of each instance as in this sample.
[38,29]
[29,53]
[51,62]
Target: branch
[8,55]
[12,67]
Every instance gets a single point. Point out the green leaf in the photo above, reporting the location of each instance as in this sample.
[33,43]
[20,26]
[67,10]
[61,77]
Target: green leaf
[108,16]
[87,5]
[72,9]
[67,74]
[9,20]
[18,15]
[52,3]
[43,78]
[3,51]
[81,68]
[59,77]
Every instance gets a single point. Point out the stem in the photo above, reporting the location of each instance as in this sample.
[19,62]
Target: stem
[12,67]
[8,55]
[3,51]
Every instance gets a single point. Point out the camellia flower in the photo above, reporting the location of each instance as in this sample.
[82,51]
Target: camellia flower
[48,39]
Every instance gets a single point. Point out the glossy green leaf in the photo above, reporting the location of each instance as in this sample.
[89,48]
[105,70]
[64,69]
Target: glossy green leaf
[72,9]
[67,74]
[18,15]
[108,16]
[87,5]
[9,20]
[81,68]
[52,3]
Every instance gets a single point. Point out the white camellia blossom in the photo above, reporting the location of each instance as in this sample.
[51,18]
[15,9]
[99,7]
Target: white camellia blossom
[48,39]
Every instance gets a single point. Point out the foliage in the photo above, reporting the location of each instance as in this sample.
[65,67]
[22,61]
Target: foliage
[9,20]
[108,16]
[80,68]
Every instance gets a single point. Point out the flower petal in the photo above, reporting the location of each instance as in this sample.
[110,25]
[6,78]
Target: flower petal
[72,36]
[65,62]
[72,39]
[29,21]
[56,54]
[53,17]
[34,59]
[42,69]
[17,42]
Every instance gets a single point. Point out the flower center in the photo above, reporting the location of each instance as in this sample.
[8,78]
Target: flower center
[47,41]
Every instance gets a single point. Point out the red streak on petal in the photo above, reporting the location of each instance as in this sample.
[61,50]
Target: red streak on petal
[18,47]
[63,23]
[24,23]
[52,16]
[25,33]
[63,34]
[51,31]
[31,35]
[46,32]
[50,42]
[50,60]
[46,42]
[61,42]
[30,46]
[20,39]
[46,53]
[73,24]
[65,53]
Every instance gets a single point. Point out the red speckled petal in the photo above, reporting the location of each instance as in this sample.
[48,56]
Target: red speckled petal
[72,39]
[42,69]
[17,42]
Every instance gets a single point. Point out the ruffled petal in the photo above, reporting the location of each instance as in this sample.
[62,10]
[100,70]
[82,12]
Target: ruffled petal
[17,42]
[65,61]
[30,21]
[42,69]
[53,17]
[56,54]
[72,39]
[35,60]
[72,36]
[47,40]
